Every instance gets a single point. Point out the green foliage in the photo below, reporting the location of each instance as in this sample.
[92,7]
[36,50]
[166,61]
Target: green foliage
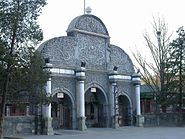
[29,82]
[37,80]
[20,17]
[21,71]
[19,34]
[177,52]
[19,31]
[177,66]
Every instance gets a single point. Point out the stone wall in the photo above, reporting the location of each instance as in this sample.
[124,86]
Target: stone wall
[164,119]
[15,125]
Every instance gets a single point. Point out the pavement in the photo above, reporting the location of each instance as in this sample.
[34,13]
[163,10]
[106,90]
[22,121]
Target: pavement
[119,133]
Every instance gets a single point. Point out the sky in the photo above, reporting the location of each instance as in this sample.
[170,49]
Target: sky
[126,20]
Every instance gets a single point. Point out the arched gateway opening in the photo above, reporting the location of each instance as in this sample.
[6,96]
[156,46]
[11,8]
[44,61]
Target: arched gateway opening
[95,108]
[124,111]
[61,111]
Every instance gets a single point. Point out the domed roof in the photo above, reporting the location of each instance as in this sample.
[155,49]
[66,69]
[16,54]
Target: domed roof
[87,23]
[60,51]
[119,58]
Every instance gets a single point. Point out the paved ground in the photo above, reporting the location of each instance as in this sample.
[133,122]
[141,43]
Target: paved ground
[120,133]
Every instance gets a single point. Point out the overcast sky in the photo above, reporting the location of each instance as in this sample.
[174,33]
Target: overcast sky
[126,20]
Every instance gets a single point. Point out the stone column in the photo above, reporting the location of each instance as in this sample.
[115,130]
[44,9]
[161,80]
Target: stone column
[27,110]
[48,91]
[114,106]
[80,93]
[136,81]
[138,107]
[7,110]
[48,130]
[113,99]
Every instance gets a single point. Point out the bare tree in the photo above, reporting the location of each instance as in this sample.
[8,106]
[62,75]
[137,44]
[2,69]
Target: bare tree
[154,70]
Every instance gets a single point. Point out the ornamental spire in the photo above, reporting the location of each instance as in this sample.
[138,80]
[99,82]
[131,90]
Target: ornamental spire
[87,10]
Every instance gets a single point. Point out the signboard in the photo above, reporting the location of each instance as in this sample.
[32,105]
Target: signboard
[93,89]
[60,95]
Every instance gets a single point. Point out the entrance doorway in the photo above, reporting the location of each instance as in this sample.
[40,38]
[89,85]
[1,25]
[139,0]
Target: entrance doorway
[124,111]
[61,112]
[95,108]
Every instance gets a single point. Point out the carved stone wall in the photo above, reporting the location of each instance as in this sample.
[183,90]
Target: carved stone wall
[19,125]
[88,41]
[92,50]
[126,86]
[119,58]
[99,78]
[64,83]
[84,45]
[129,89]
[61,51]
[88,23]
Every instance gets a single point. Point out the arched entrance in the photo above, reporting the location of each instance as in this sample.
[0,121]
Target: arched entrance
[95,108]
[61,111]
[124,111]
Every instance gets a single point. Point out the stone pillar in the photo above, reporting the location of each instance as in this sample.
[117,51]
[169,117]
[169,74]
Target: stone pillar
[48,91]
[7,110]
[27,110]
[48,130]
[114,99]
[138,105]
[114,106]
[136,81]
[80,76]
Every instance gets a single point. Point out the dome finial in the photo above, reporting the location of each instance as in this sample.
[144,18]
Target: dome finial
[88,10]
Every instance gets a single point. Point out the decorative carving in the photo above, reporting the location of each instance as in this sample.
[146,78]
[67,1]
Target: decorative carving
[84,45]
[99,78]
[120,59]
[91,54]
[63,54]
[92,51]
[125,87]
[91,24]
[61,51]
[70,51]
[62,82]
